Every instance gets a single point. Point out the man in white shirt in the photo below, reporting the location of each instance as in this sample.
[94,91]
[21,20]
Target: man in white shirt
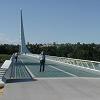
[42,61]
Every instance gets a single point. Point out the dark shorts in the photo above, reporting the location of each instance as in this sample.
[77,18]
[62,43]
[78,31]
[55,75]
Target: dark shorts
[42,61]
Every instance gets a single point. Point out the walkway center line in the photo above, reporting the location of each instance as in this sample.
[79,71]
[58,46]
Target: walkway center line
[63,71]
[32,75]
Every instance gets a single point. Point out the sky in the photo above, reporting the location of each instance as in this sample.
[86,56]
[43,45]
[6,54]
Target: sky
[47,21]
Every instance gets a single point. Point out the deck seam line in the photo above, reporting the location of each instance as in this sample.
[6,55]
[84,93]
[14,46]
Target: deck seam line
[32,75]
[63,71]
[74,65]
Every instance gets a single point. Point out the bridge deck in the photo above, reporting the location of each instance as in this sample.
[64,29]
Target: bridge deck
[58,82]
[18,71]
[51,69]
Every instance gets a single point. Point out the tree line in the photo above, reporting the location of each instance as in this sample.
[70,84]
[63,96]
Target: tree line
[77,51]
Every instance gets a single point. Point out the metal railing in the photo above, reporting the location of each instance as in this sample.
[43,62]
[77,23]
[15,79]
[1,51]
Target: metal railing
[78,62]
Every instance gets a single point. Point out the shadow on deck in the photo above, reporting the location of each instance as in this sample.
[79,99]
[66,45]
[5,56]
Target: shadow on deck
[19,80]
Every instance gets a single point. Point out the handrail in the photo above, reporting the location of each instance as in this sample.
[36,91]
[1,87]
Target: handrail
[67,60]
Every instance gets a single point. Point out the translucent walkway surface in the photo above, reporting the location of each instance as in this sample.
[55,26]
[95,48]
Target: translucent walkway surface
[18,71]
[29,66]
[59,81]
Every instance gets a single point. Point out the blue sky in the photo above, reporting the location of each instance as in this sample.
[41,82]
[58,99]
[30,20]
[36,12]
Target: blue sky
[47,21]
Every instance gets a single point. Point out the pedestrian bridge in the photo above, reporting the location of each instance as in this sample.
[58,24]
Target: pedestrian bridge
[71,78]
[27,68]
[28,65]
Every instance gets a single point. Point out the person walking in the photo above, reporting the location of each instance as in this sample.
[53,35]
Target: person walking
[16,56]
[42,61]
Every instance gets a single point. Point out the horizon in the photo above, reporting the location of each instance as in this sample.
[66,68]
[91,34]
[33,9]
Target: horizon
[51,43]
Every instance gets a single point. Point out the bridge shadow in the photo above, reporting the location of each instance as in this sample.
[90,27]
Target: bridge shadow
[27,63]
[19,80]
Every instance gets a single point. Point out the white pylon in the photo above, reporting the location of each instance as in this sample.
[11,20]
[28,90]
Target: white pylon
[23,48]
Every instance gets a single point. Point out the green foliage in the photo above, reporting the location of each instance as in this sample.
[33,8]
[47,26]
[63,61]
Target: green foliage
[79,51]
[8,49]
[4,57]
